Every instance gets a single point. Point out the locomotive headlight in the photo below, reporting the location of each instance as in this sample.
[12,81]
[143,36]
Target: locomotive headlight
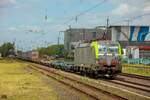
[115,56]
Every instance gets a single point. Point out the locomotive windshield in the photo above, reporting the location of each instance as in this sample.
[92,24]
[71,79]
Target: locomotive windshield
[108,49]
[102,49]
[113,49]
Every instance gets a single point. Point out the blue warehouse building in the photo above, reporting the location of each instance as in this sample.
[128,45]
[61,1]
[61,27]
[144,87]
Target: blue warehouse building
[143,32]
[130,33]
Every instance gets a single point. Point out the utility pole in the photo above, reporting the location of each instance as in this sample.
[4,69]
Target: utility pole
[76,19]
[14,47]
[70,34]
[58,38]
[46,14]
[107,27]
[59,48]
[107,22]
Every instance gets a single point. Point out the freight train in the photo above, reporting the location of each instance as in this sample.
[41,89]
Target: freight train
[99,58]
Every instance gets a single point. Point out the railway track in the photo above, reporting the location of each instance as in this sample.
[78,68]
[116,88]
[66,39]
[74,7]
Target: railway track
[135,76]
[136,83]
[128,84]
[87,89]
[90,89]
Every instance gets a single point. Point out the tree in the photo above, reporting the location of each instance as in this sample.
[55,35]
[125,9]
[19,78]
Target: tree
[6,49]
[52,50]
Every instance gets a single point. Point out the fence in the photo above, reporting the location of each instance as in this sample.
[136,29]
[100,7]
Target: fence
[136,61]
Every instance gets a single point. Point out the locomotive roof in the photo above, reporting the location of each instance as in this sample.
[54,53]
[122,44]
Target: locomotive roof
[101,42]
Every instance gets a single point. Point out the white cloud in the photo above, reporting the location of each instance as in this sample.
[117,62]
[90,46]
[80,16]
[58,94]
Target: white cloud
[34,29]
[123,9]
[132,7]
[126,9]
[5,3]
[147,9]
[12,29]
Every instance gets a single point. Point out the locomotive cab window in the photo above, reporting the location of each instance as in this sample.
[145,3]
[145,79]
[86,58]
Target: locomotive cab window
[102,49]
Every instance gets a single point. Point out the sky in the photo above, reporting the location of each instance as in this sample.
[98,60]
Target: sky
[23,21]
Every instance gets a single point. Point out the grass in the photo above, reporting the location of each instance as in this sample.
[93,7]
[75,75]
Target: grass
[132,69]
[18,82]
[135,65]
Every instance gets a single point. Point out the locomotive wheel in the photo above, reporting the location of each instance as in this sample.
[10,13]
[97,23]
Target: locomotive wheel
[95,74]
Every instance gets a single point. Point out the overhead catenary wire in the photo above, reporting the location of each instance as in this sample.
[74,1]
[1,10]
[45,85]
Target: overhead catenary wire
[93,7]
[84,12]
[139,16]
[131,19]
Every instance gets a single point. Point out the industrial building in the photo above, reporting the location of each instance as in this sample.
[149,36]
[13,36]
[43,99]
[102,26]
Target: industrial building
[73,36]
[126,35]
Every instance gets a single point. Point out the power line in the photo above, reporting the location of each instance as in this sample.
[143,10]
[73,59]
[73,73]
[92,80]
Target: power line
[139,16]
[84,12]
[131,19]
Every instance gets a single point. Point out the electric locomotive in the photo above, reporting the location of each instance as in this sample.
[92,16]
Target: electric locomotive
[98,58]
